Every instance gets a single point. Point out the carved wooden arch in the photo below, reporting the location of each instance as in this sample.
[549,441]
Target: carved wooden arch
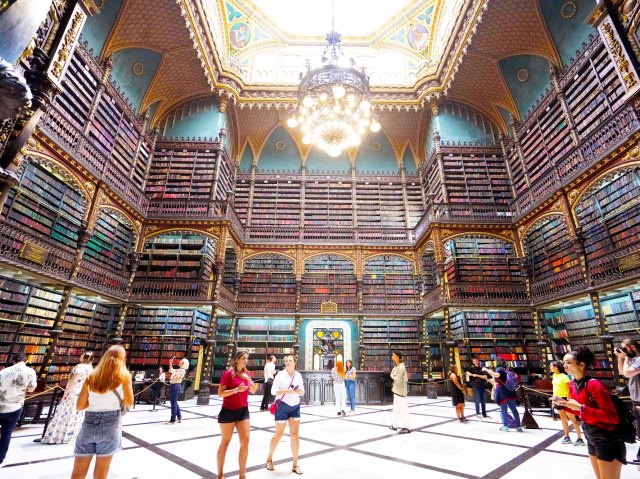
[181,230]
[315,255]
[123,216]
[544,217]
[60,169]
[576,196]
[480,233]
[277,253]
[399,255]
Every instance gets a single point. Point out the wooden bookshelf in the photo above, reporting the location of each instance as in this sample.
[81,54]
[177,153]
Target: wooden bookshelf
[230,268]
[224,335]
[577,325]
[434,364]
[383,336]
[158,334]
[471,178]
[47,205]
[111,242]
[262,337]
[389,285]
[328,277]
[268,284]
[622,314]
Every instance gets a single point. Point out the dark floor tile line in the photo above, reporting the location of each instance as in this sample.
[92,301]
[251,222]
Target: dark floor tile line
[522,458]
[170,456]
[58,458]
[416,464]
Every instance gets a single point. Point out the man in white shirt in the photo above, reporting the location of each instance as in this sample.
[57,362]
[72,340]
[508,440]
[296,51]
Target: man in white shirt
[15,382]
[269,374]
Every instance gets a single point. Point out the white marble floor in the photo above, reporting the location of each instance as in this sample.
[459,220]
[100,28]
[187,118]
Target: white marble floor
[360,446]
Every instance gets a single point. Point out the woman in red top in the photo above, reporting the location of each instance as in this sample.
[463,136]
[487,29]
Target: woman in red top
[591,401]
[234,389]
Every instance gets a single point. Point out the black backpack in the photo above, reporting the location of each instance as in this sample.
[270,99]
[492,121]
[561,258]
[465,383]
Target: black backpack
[626,428]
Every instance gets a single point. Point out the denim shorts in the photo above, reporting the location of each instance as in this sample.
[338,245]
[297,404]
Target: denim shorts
[100,435]
[285,412]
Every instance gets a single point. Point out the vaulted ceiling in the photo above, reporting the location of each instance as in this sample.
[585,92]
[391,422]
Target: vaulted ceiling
[202,54]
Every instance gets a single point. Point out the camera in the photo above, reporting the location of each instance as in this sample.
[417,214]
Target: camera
[627,351]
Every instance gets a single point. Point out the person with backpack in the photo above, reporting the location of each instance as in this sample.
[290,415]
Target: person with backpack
[505,394]
[591,400]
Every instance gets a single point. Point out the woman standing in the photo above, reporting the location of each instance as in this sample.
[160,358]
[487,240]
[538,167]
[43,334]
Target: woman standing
[591,401]
[505,397]
[107,389]
[234,389]
[67,420]
[175,387]
[457,393]
[288,388]
[340,393]
[561,380]
[351,386]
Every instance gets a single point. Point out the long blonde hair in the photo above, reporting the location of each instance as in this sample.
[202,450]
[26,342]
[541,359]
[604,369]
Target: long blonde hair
[111,371]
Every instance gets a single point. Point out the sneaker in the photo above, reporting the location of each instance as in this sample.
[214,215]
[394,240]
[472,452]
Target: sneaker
[486,416]
[579,442]
[520,429]
[566,440]
[339,413]
[404,430]
[393,428]
[464,419]
[505,429]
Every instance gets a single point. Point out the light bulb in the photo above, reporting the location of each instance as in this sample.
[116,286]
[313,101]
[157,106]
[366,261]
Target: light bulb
[375,127]
[323,97]
[306,139]
[365,105]
[338,91]
[308,101]
[292,122]
[334,151]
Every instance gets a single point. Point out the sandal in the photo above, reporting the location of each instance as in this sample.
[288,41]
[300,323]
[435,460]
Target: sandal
[297,470]
[270,463]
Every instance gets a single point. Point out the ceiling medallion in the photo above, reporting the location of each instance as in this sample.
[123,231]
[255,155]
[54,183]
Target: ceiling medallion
[376,146]
[568,10]
[333,110]
[522,75]
[280,145]
[138,69]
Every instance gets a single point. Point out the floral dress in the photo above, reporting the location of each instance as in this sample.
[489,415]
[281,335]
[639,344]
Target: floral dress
[66,422]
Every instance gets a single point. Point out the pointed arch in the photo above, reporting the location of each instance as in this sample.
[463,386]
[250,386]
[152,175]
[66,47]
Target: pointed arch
[409,259]
[274,253]
[271,157]
[376,153]
[409,156]
[247,158]
[344,256]
[124,216]
[61,170]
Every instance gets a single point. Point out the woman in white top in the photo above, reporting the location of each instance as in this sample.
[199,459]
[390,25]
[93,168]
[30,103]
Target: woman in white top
[175,388]
[107,389]
[288,388]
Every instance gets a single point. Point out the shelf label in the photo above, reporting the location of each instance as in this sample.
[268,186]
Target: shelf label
[629,262]
[34,253]
[329,307]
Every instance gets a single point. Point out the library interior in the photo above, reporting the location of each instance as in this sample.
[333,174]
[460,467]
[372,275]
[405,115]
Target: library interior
[451,180]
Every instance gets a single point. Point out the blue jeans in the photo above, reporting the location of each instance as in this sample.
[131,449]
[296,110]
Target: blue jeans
[174,392]
[511,404]
[351,392]
[8,421]
[479,397]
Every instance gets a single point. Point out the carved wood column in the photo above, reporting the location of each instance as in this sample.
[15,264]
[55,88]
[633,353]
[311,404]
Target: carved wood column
[55,333]
[204,393]
[604,334]
[518,145]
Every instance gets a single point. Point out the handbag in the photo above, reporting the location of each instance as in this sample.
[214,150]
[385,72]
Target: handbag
[123,409]
[274,406]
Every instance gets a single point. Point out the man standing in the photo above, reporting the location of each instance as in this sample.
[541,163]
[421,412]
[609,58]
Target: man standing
[399,389]
[15,382]
[478,378]
[269,374]
[629,366]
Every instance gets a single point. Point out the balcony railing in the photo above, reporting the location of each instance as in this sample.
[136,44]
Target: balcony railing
[187,209]
[559,284]
[311,303]
[263,303]
[432,300]
[51,257]
[97,277]
[624,263]
[488,293]
[226,298]
[171,289]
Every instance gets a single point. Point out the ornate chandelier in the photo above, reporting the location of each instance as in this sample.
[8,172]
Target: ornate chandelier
[333,110]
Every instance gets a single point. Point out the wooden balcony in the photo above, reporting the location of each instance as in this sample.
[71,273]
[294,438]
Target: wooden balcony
[24,249]
[97,277]
[266,303]
[488,294]
[558,285]
[184,290]
[226,298]
[615,266]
